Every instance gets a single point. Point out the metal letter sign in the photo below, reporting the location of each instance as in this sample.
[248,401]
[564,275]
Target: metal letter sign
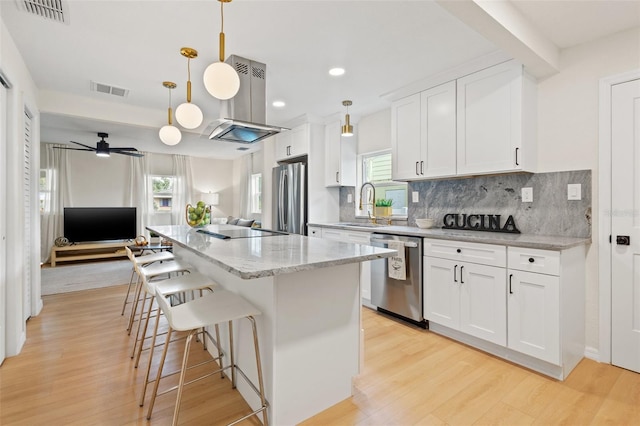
[479,222]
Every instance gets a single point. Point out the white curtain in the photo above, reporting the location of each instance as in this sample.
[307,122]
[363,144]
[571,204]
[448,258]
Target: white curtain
[140,195]
[183,192]
[55,195]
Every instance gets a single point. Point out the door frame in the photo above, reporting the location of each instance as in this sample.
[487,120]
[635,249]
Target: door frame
[604,201]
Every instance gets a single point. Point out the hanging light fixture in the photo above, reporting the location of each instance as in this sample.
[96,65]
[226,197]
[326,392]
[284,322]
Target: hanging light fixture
[189,115]
[347,128]
[169,134]
[220,79]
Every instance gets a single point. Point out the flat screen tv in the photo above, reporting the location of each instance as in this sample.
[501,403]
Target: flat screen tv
[83,224]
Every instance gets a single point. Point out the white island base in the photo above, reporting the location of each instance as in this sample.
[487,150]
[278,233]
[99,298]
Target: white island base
[309,335]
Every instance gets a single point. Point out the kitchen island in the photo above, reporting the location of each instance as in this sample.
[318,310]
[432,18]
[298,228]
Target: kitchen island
[309,294]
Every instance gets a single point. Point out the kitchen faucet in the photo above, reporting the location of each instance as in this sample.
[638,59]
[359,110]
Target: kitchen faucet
[373,203]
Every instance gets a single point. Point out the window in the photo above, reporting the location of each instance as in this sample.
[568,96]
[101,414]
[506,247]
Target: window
[44,183]
[376,168]
[162,189]
[256,193]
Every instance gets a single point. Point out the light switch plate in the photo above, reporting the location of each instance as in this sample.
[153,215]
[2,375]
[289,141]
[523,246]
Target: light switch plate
[527,195]
[349,198]
[415,196]
[574,191]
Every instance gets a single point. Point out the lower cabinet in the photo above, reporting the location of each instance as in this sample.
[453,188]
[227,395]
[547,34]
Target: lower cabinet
[522,304]
[314,231]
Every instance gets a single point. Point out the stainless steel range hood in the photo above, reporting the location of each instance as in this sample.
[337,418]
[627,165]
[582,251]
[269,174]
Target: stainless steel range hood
[246,111]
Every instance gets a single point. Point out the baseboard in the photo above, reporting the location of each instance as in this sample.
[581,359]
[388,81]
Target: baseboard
[592,353]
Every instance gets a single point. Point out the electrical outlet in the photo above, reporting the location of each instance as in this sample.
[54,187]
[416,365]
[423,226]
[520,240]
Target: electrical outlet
[527,195]
[574,191]
[349,198]
[415,197]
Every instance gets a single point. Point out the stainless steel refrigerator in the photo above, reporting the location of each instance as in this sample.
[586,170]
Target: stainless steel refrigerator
[290,198]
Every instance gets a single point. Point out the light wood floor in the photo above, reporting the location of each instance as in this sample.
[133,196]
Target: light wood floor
[75,369]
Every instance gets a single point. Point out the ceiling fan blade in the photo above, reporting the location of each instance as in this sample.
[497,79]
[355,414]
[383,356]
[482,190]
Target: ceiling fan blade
[131,154]
[86,146]
[123,149]
[73,149]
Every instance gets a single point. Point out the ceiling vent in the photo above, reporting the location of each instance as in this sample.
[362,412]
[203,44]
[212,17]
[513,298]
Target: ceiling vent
[109,90]
[52,10]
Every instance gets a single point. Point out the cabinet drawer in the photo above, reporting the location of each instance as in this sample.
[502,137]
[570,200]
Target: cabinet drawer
[486,254]
[534,260]
[358,237]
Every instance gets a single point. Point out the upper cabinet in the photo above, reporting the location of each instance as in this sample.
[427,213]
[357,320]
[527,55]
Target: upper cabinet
[339,157]
[293,143]
[481,123]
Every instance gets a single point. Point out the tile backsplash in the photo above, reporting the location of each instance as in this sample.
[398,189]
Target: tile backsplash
[550,213]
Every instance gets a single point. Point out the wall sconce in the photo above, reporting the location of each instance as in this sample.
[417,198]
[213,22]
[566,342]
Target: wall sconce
[220,79]
[347,128]
[169,134]
[189,115]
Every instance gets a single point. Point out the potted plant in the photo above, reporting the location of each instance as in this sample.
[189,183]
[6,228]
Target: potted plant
[383,207]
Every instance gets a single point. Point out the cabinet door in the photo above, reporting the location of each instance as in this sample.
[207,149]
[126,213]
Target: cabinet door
[441,291]
[283,144]
[483,305]
[332,154]
[299,141]
[314,231]
[489,120]
[405,138]
[534,315]
[333,234]
[438,131]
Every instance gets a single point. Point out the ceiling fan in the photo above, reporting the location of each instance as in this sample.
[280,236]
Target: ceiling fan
[102,148]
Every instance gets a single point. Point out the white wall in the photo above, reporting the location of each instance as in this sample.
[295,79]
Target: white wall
[22,94]
[568,129]
[215,176]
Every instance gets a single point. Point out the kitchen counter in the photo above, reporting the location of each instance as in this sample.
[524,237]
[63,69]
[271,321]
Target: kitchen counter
[308,293]
[267,256]
[544,242]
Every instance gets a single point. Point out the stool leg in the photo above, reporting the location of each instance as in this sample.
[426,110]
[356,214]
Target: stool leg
[134,308]
[153,344]
[183,373]
[259,364]
[231,356]
[135,340]
[126,298]
[219,348]
[144,333]
[159,375]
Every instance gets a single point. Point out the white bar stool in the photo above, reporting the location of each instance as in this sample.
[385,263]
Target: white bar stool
[210,309]
[147,259]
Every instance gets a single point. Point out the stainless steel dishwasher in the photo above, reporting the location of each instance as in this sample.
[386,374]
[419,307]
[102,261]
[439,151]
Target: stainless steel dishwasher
[399,297]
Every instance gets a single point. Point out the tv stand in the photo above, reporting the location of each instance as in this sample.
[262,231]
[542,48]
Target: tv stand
[88,251]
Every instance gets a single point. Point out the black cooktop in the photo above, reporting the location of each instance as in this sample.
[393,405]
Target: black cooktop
[241,233]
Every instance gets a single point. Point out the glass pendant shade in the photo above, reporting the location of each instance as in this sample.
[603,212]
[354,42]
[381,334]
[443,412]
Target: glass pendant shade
[189,115]
[170,135]
[221,80]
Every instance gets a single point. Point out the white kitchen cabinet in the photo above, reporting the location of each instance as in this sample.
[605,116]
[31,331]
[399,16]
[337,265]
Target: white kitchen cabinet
[481,123]
[356,237]
[293,143]
[496,121]
[466,296]
[314,231]
[340,157]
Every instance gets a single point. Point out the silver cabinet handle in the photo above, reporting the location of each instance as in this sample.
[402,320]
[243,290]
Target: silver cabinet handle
[417,172]
[455,269]
[422,167]
[461,268]
[337,175]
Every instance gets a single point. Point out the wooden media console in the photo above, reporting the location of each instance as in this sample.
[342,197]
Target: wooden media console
[88,251]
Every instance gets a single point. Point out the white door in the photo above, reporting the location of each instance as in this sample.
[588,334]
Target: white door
[405,137]
[625,224]
[442,291]
[483,304]
[3,223]
[438,131]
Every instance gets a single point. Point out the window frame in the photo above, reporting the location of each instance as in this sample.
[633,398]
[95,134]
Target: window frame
[165,195]
[361,158]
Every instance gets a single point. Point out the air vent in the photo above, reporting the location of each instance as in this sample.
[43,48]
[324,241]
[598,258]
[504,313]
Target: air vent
[109,90]
[258,72]
[53,10]
[242,68]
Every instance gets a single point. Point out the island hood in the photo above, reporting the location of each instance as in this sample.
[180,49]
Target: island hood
[246,111]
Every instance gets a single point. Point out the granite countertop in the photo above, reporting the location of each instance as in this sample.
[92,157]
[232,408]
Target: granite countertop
[545,242]
[270,255]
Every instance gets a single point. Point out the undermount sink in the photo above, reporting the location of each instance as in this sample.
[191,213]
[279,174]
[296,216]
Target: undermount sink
[363,225]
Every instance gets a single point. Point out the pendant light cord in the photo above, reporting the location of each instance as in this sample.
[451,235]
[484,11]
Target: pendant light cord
[221,46]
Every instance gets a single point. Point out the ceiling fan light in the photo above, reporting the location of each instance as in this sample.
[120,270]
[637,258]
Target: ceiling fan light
[221,80]
[170,135]
[102,154]
[189,115]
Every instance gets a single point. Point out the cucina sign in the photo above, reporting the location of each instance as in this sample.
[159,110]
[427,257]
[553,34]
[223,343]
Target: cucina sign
[480,222]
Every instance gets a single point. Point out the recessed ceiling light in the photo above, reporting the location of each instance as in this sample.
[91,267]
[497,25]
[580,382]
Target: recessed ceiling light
[336,71]
[278,104]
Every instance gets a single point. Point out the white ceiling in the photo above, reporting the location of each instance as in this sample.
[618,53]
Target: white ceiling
[383,45]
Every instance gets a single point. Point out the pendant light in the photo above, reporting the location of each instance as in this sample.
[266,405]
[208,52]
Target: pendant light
[347,128]
[189,115]
[169,134]
[220,79]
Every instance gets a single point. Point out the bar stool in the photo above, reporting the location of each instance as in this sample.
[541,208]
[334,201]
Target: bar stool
[153,271]
[172,287]
[143,261]
[210,309]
